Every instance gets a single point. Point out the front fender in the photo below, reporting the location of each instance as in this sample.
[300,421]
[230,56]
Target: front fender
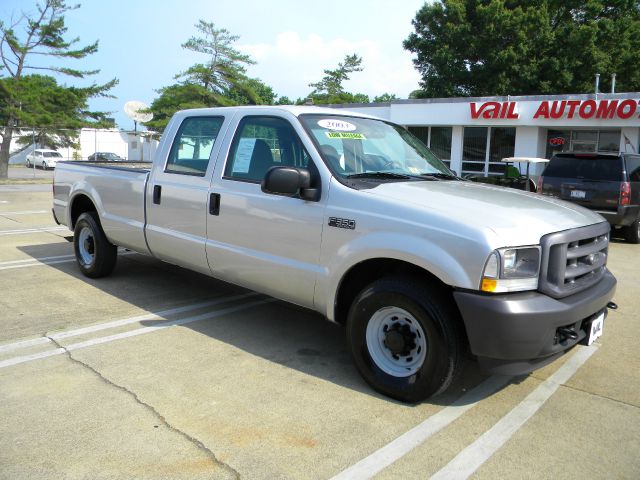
[457,263]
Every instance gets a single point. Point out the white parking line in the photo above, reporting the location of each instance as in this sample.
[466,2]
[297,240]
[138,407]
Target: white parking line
[398,448]
[25,212]
[32,230]
[35,262]
[131,333]
[472,457]
[119,323]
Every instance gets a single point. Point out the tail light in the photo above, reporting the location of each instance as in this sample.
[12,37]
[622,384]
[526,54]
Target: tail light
[625,193]
[539,186]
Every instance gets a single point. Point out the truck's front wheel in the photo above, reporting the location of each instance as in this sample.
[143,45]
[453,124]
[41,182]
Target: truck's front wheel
[96,257]
[405,338]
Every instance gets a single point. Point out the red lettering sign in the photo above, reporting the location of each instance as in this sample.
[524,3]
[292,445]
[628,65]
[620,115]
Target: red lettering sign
[492,110]
[587,109]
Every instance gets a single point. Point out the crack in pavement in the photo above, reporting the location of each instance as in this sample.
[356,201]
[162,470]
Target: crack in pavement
[194,441]
[622,402]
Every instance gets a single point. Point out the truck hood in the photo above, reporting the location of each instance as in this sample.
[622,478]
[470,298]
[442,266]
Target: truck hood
[516,217]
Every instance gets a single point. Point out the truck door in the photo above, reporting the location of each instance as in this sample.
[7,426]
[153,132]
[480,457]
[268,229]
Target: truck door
[177,193]
[263,241]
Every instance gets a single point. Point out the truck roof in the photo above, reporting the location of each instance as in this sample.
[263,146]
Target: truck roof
[296,110]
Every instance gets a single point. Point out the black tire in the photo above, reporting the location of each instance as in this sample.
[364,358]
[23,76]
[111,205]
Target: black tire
[433,309]
[632,232]
[95,256]
[44,165]
[28,164]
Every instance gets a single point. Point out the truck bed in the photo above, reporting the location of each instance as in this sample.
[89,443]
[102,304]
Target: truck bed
[118,191]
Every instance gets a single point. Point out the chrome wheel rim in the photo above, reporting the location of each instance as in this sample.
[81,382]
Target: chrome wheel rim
[396,341]
[86,246]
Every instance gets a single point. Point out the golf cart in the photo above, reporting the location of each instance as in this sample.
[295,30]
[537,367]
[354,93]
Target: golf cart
[512,176]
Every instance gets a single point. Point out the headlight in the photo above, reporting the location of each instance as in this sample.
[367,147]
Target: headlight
[511,270]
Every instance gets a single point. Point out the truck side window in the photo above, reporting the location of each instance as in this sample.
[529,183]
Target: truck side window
[261,143]
[633,168]
[192,146]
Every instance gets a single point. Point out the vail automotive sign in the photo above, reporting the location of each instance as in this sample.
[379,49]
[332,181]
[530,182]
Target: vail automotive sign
[560,109]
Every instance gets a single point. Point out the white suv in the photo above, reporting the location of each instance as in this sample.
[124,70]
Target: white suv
[43,158]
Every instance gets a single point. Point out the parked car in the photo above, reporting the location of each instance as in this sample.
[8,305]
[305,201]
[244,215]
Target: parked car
[41,157]
[105,157]
[608,183]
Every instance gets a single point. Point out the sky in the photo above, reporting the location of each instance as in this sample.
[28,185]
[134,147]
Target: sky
[292,42]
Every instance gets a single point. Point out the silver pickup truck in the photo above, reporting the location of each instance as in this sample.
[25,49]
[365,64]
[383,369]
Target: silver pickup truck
[355,218]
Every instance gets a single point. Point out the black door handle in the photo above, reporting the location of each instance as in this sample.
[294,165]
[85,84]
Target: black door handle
[214,204]
[157,193]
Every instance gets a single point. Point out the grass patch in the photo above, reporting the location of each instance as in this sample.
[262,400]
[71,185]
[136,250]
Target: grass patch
[24,181]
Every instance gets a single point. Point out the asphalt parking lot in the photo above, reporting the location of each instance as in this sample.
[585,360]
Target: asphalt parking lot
[159,372]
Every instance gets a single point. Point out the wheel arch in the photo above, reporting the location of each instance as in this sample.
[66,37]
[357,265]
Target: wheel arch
[81,203]
[368,271]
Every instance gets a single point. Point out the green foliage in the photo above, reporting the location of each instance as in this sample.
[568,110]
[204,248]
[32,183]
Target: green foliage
[330,90]
[284,100]
[57,111]
[252,92]
[225,67]
[518,47]
[385,97]
[331,84]
[37,100]
[220,81]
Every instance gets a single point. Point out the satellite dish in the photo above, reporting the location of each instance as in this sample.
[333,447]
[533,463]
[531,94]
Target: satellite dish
[135,111]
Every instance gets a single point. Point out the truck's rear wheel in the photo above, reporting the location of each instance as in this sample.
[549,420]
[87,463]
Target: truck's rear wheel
[405,338]
[632,232]
[96,257]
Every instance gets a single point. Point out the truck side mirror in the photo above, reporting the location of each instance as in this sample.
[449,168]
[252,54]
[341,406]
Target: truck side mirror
[289,181]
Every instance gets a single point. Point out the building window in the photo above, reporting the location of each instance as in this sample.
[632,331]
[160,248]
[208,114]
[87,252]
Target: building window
[582,141]
[438,139]
[474,149]
[440,143]
[483,149]
[502,145]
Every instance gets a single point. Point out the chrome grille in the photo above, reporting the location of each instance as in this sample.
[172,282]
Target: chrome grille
[573,260]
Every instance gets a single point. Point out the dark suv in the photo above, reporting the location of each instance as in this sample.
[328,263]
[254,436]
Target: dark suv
[608,183]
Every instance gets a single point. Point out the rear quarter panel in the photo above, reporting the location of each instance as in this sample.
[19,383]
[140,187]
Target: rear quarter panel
[116,192]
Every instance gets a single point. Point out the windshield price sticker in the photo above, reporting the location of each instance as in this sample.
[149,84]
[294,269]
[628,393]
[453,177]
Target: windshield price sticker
[345,135]
[339,125]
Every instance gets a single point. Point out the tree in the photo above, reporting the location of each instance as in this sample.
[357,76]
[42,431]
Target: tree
[252,91]
[178,97]
[329,90]
[58,111]
[225,69]
[41,34]
[219,82]
[385,97]
[518,47]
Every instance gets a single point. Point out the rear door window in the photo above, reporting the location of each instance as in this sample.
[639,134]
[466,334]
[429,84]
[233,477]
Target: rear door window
[191,149]
[588,167]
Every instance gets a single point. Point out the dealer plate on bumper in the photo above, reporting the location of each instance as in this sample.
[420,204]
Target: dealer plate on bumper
[595,329]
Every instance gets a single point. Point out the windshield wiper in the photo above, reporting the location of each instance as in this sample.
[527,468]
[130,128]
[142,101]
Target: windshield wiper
[383,175]
[444,176]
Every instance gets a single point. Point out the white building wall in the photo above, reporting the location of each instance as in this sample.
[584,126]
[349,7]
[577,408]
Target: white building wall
[456,148]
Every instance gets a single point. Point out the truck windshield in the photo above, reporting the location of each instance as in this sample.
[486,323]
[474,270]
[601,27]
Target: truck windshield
[356,147]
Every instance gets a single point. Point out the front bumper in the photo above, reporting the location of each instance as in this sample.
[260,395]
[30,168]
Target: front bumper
[517,333]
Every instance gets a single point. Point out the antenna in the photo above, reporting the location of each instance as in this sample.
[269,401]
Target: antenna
[135,110]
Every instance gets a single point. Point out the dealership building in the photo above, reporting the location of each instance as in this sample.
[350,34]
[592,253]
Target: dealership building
[472,135]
